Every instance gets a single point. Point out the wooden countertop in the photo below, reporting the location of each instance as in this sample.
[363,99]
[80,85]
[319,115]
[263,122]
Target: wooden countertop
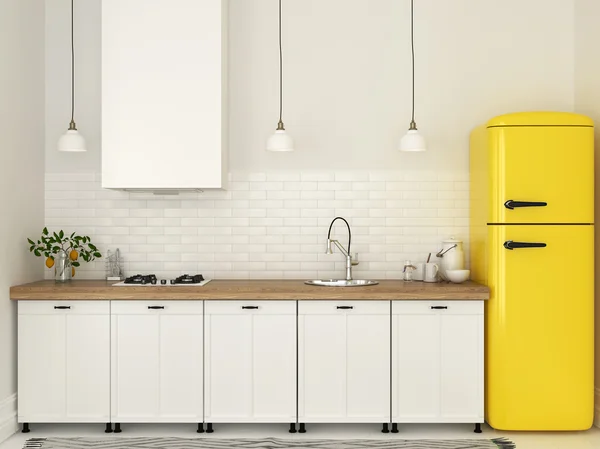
[249,290]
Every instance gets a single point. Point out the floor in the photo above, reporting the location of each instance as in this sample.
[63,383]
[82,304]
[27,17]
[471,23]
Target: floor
[524,440]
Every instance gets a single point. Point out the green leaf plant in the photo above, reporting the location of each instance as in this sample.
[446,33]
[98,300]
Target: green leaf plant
[74,246]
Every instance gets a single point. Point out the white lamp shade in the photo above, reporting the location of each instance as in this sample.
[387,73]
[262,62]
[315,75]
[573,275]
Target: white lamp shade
[413,141]
[280,141]
[71,141]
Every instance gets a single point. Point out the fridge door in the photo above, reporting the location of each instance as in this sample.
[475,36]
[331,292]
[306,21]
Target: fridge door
[540,328]
[541,174]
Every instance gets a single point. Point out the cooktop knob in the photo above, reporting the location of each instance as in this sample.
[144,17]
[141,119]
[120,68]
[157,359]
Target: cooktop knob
[163,281]
[172,281]
[153,281]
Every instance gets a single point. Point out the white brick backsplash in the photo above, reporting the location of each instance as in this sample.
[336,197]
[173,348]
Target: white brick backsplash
[266,222]
[283,176]
[282,195]
[351,176]
[340,185]
[351,195]
[250,213]
[266,186]
[265,257]
[305,185]
[164,239]
[317,195]
[180,213]
[267,225]
[285,213]
[249,230]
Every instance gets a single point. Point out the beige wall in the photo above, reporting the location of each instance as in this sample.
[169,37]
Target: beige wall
[347,78]
[21,173]
[587,101]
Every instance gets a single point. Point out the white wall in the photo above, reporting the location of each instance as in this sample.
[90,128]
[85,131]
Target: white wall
[587,101]
[21,173]
[347,77]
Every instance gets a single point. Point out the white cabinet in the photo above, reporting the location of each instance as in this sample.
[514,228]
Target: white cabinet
[156,369]
[344,361]
[250,361]
[437,361]
[64,361]
[164,86]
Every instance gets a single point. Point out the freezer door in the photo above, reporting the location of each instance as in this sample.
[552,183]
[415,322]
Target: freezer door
[541,174]
[540,328]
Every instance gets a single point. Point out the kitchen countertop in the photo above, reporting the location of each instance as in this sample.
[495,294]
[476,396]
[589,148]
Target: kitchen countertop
[249,290]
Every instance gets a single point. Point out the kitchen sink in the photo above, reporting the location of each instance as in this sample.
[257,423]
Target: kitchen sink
[341,283]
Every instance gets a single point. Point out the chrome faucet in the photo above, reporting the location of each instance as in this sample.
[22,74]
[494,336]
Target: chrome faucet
[350,261]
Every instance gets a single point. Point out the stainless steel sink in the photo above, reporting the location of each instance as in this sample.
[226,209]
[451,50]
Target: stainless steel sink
[341,283]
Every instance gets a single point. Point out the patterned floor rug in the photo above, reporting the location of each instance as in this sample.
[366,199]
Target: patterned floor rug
[264,443]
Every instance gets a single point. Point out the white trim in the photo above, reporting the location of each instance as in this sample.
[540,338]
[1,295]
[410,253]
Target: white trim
[8,417]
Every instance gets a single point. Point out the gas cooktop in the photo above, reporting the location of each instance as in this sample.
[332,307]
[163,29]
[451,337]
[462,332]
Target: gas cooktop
[196,280]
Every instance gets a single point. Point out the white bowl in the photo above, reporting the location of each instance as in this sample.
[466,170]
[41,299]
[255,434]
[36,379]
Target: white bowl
[458,276]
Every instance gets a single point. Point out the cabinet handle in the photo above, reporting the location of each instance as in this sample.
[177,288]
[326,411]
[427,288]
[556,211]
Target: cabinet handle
[345,307]
[511,204]
[156,307]
[509,244]
[249,307]
[439,307]
[62,307]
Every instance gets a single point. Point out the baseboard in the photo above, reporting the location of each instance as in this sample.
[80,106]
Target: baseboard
[8,417]
[597,407]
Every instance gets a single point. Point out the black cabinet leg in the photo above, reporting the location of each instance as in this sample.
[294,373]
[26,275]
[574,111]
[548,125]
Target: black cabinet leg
[209,428]
[386,428]
[117,428]
[302,428]
[200,427]
[108,428]
[477,428]
[293,428]
[25,427]
[394,428]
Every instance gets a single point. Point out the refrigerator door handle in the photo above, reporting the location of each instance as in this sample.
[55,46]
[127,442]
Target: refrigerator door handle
[509,244]
[511,204]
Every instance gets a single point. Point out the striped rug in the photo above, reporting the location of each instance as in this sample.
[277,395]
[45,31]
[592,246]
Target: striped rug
[263,443]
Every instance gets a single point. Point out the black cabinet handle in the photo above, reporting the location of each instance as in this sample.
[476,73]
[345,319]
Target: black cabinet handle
[345,307]
[509,244]
[511,204]
[156,307]
[62,307]
[249,307]
[439,307]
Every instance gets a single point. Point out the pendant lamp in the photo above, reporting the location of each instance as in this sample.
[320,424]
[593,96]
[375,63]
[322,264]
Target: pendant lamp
[281,140]
[71,140]
[413,140]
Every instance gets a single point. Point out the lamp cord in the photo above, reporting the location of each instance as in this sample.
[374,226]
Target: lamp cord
[280,70]
[412,46]
[72,68]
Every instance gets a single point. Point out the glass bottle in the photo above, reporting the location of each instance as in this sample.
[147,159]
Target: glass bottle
[407,271]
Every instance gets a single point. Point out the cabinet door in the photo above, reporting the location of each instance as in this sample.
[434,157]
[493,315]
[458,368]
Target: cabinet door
[64,362]
[437,361]
[88,368]
[157,361]
[250,361]
[344,361]
[41,363]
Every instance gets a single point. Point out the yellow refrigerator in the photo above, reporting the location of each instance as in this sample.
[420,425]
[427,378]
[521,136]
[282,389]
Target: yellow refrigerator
[532,243]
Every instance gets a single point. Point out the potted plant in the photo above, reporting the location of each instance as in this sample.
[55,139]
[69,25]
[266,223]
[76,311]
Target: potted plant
[63,252]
